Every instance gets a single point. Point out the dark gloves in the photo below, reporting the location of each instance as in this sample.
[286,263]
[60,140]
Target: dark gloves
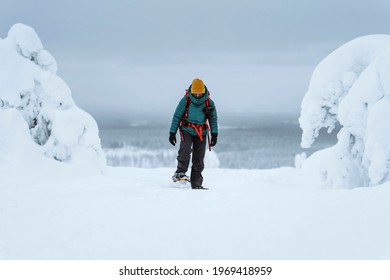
[172,138]
[214,137]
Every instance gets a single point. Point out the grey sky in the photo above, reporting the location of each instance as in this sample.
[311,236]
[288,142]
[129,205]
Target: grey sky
[139,56]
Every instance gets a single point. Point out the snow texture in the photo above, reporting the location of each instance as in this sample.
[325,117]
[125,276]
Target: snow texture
[38,117]
[135,213]
[351,87]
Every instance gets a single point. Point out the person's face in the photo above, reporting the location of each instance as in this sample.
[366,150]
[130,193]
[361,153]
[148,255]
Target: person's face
[198,94]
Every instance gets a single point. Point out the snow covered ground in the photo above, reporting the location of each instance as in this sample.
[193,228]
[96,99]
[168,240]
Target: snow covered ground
[132,213]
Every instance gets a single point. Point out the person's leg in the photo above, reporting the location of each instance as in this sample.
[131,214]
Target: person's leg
[199,150]
[184,154]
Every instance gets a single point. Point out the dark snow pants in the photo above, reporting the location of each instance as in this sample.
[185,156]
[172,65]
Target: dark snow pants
[198,153]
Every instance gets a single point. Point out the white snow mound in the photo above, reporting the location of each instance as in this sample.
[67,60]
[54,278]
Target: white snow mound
[37,113]
[351,87]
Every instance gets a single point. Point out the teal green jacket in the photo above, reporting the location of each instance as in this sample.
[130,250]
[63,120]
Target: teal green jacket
[195,115]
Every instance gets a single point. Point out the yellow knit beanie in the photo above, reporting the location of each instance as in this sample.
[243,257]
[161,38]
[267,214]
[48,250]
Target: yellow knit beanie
[198,86]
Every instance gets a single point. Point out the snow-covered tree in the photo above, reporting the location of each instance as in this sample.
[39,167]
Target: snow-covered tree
[31,91]
[351,86]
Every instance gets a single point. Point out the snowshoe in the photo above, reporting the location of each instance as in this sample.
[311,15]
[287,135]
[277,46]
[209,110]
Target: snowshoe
[180,176]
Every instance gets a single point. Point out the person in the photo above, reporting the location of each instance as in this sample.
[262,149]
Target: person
[191,116]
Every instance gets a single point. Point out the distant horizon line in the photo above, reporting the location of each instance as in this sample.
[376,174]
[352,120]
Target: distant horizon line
[140,119]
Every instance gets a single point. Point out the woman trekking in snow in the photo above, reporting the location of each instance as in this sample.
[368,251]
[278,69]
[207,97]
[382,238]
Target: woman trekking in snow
[191,116]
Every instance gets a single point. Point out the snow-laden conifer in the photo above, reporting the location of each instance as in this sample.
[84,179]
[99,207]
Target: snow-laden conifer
[31,91]
[351,86]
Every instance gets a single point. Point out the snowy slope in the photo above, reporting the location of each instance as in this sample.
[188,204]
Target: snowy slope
[132,213]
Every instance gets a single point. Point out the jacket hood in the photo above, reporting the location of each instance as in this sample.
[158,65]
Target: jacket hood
[197,101]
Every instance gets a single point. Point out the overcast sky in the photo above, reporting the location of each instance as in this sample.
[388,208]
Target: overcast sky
[123,56]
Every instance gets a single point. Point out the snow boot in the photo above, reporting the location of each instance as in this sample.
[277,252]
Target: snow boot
[180,176]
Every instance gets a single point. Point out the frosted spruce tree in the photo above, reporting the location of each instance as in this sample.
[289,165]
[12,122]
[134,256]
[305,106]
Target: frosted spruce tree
[351,86]
[37,113]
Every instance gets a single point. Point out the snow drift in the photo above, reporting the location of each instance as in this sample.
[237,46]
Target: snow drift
[39,121]
[351,86]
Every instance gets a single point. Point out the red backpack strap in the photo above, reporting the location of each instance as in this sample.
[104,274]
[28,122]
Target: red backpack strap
[207,102]
[188,101]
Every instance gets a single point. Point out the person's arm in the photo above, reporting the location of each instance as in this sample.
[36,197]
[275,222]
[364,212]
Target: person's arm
[178,115]
[214,119]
